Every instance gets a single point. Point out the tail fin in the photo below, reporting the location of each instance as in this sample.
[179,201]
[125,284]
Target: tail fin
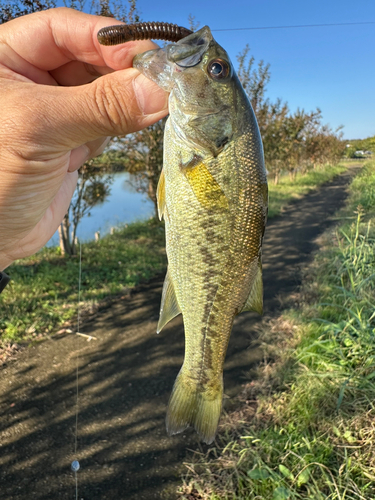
[191,404]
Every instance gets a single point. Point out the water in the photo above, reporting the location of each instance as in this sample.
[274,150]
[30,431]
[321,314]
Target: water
[122,206]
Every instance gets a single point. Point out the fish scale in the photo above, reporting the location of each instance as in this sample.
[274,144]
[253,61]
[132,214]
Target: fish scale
[213,196]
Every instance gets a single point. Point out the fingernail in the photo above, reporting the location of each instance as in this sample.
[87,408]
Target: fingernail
[151,99]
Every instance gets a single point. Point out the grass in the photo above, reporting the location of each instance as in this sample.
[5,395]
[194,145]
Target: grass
[43,294]
[287,190]
[306,427]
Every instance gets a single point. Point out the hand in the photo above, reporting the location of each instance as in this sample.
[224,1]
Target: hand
[60,99]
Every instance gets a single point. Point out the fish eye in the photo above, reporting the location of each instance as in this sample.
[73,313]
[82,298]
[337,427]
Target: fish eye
[218,69]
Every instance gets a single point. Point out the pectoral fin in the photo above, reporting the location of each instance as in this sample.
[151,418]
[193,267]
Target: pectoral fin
[205,187]
[169,308]
[254,301]
[160,195]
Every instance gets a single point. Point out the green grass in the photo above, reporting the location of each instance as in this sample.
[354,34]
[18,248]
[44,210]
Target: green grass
[306,427]
[43,294]
[287,190]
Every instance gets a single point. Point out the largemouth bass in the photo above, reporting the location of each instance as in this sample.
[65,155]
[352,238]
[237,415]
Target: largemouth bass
[213,196]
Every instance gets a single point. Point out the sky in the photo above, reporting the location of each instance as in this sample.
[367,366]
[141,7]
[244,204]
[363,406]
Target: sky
[331,68]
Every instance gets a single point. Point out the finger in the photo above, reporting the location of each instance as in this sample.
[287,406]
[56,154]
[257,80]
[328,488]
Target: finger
[115,104]
[122,102]
[97,147]
[78,73]
[47,40]
[83,153]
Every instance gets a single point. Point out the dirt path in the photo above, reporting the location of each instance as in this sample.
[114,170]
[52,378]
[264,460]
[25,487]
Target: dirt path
[125,379]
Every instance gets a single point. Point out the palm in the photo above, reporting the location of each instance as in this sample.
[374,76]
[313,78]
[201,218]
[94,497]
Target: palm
[39,234]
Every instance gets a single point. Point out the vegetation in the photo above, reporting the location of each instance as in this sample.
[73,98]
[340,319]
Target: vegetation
[364,145]
[14,8]
[43,293]
[305,430]
[143,151]
[288,189]
[306,426]
[93,187]
[292,141]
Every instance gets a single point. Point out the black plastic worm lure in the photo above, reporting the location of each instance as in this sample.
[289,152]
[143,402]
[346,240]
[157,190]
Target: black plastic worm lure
[121,33]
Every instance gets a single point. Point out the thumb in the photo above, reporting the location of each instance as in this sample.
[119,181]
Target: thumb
[115,104]
[120,103]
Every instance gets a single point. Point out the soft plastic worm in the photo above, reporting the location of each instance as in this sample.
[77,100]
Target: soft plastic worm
[121,33]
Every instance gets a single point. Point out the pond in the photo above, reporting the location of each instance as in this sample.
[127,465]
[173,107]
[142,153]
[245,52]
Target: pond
[122,206]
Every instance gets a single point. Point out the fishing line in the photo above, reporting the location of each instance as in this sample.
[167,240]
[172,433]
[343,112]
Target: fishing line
[295,26]
[75,464]
[78,326]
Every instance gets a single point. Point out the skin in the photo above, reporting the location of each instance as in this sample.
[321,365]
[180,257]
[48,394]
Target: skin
[62,95]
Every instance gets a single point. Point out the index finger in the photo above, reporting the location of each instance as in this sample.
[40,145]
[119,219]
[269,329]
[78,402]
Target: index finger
[50,39]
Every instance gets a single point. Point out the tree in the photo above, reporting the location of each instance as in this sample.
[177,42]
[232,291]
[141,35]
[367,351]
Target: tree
[123,10]
[366,145]
[271,118]
[254,80]
[291,141]
[11,10]
[93,187]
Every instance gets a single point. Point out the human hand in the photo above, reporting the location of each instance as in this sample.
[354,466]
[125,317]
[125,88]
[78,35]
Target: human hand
[56,113]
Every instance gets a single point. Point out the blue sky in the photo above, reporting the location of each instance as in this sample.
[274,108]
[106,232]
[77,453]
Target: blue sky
[327,67]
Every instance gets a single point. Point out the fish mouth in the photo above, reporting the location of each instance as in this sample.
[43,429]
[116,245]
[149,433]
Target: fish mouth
[155,66]
[159,64]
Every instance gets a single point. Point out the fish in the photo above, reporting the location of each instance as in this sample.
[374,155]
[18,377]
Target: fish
[213,196]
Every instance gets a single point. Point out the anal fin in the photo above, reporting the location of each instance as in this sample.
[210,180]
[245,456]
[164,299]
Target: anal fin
[169,308]
[254,301]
